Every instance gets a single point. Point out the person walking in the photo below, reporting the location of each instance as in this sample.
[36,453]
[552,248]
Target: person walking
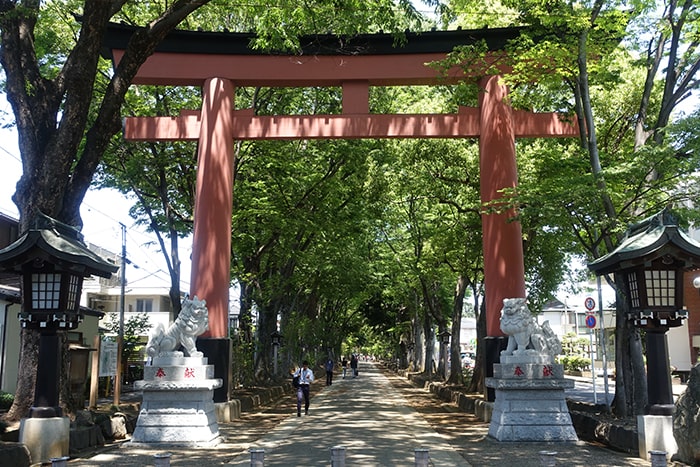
[344,363]
[353,365]
[306,377]
[329,371]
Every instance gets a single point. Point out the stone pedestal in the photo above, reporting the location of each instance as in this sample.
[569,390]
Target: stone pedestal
[45,438]
[655,433]
[177,407]
[530,400]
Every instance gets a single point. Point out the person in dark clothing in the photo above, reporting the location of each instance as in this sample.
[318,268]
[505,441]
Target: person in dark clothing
[329,372]
[353,365]
[345,366]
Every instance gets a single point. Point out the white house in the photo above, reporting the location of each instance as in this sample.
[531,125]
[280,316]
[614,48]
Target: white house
[580,314]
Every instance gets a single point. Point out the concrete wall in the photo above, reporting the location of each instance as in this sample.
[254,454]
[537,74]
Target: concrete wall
[691,299]
[678,343]
[9,345]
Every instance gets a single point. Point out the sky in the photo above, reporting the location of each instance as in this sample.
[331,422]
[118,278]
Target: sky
[103,212]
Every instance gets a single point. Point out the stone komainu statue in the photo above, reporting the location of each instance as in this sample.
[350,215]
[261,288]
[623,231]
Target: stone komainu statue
[192,321]
[524,334]
[686,423]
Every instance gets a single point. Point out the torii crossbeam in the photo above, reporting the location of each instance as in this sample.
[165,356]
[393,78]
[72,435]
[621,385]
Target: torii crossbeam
[219,62]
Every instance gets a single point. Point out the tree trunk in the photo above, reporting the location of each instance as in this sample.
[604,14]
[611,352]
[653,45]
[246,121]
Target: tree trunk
[455,350]
[419,337]
[245,316]
[630,375]
[476,385]
[267,323]
[28,358]
[429,344]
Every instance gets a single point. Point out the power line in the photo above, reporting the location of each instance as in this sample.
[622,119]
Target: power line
[137,237]
[12,155]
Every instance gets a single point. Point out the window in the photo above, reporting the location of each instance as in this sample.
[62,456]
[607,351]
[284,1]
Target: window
[634,289]
[74,285]
[46,291]
[661,287]
[144,305]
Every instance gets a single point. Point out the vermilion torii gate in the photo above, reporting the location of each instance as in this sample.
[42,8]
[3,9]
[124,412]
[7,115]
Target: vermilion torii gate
[219,62]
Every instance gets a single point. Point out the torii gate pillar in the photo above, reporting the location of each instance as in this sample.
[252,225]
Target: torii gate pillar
[211,248]
[504,269]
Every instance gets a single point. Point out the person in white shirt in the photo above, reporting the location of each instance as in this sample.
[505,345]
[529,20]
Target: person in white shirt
[306,377]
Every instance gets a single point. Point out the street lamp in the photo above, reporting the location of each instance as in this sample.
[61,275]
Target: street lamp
[276,341]
[53,260]
[649,264]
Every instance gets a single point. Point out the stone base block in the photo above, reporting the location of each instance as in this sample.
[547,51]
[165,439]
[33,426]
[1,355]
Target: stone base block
[177,416]
[227,411]
[525,412]
[529,371]
[521,433]
[14,454]
[483,410]
[655,433]
[45,437]
[178,435]
[84,437]
[177,358]
[178,372]
[219,353]
[157,399]
[169,386]
[526,356]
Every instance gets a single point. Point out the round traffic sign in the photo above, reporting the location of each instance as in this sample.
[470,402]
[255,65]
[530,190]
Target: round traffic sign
[590,321]
[589,303]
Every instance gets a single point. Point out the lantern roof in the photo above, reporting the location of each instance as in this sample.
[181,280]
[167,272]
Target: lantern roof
[655,237]
[57,243]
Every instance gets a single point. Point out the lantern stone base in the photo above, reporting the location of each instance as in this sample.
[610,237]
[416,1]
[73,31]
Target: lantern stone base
[177,406]
[45,438]
[530,402]
[655,433]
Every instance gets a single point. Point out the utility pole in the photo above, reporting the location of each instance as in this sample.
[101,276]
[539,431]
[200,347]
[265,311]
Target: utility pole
[120,335]
[603,345]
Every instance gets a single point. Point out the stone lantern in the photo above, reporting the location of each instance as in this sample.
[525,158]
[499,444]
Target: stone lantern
[650,263]
[444,337]
[276,342]
[276,338]
[52,260]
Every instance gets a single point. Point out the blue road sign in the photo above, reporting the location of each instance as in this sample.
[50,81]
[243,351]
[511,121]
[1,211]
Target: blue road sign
[590,321]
